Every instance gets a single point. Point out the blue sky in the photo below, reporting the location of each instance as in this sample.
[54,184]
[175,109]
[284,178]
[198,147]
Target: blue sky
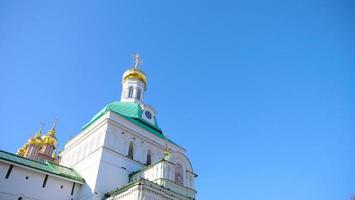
[260,93]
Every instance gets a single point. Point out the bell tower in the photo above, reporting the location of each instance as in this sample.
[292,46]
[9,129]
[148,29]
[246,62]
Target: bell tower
[134,83]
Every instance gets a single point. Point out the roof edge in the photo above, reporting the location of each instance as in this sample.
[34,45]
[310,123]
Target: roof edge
[66,176]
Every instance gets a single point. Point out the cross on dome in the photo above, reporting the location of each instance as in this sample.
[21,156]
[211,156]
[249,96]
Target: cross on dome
[54,123]
[137,60]
[42,124]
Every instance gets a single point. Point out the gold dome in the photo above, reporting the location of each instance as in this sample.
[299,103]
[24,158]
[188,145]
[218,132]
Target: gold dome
[36,140]
[50,138]
[135,73]
[21,151]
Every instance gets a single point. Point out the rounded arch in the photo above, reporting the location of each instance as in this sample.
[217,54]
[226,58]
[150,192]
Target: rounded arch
[178,157]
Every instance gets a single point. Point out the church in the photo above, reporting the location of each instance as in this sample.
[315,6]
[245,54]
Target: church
[120,154]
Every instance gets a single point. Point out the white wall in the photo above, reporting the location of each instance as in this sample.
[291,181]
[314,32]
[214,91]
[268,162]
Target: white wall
[99,153]
[144,192]
[17,185]
[136,84]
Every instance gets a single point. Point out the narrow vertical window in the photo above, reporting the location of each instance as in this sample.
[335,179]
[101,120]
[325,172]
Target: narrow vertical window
[45,181]
[47,149]
[179,174]
[130,150]
[130,92]
[9,171]
[72,189]
[139,93]
[149,157]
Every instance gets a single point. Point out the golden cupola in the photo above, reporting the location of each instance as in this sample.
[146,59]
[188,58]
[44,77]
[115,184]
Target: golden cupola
[135,73]
[50,138]
[21,151]
[33,141]
[36,140]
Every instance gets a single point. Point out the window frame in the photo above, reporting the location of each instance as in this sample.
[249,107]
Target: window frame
[130,92]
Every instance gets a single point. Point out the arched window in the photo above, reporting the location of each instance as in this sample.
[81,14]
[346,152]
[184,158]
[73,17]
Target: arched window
[130,150]
[179,174]
[149,157]
[130,92]
[139,93]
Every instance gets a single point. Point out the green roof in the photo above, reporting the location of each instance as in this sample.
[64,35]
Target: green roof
[131,112]
[47,167]
[126,109]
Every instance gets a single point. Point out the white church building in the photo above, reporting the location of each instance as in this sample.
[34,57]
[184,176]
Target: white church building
[120,154]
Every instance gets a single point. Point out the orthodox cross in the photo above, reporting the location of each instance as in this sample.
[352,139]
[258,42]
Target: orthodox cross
[39,133]
[137,60]
[41,127]
[54,123]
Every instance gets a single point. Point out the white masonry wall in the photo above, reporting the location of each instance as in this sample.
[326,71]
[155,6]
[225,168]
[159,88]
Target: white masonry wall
[31,188]
[145,192]
[136,84]
[83,153]
[99,153]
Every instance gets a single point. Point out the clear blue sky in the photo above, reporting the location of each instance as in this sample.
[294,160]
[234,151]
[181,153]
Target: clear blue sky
[260,93]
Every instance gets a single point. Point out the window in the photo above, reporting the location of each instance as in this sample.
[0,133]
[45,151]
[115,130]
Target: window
[45,181]
[149,157]
[20,198]
[130,150]
[9,171]
[139,94]
[30,150]
[179,174]
[72,189]
[148,114]
[130,92]
[48,150]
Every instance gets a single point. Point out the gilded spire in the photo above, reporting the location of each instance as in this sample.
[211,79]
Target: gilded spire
[52,130]
[50,138]
[39,133]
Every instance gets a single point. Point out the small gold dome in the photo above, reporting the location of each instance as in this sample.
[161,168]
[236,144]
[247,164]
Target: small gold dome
[36,140]
[135,73]
[50,138]
[21,151]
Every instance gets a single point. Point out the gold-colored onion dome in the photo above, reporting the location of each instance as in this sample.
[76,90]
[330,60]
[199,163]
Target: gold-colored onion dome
[50,138]
[135,73]
[21,151]
[36,140]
